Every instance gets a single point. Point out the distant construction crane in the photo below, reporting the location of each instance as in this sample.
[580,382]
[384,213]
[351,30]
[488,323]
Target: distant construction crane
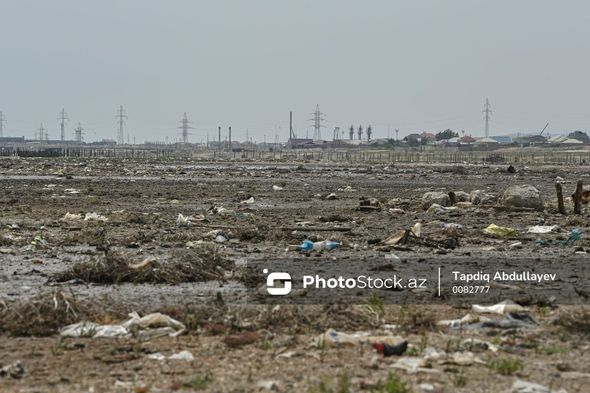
[318,120]
[42,134]
[121,116]
[62,123]
[79,134]
[369,133]
[2,124]
[351,132]
[360,133]
[185,126]
[487,111]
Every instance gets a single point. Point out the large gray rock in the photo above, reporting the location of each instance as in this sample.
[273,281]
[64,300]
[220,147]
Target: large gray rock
[462,196]
[440,198]
[526,196]
[480,197]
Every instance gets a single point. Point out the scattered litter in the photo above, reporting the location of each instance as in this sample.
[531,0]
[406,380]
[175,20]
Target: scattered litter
[413,236]
[38,241]
[438,209]
[395,210]
[331,197]
[574,236]
[520,386]
[183,221]
[516,245]
[347,189]
[71,191]
[494,230]
[148,326]
[332,338]
[182,355]
[95,217]
[327,245]
[391,350]
[413,365]
[452,229]
[143,263]
[71,217]
[248,201]
[510,321]
[462,359]
[268,384]
[543,229]
[454,323]
[15,370]
[277,188]
[499,308]
[369,204]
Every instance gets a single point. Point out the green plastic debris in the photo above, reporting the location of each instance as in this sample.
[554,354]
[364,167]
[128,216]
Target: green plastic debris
[494,230]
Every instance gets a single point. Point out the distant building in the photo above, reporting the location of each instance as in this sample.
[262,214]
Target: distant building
[580,135]
[299,143]
[467,139]
[502,139]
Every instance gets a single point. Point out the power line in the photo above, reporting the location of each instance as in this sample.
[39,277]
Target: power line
[185,127]
[487,111]
[318,119]
[79,134]
[62,124]
[121,116]
[41,133]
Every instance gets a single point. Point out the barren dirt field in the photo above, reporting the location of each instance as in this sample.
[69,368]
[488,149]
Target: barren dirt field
[96,239]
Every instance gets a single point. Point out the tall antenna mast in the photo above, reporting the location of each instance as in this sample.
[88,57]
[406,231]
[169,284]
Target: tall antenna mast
[2,123]
[487,111]
[185,126]
[121,116]
[369,133]
[62,124]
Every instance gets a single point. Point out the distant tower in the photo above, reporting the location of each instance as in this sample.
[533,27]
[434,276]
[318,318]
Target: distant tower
[397,134]
[185,126]
[369,133]
[62,124]
[79,134]
[360,133]
[318,119]
[337,135]
[351,133]
[42,134]
[487,111]
[2,123]
[121,116]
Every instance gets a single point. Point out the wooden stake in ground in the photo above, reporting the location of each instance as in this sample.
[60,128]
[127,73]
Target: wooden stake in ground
[560,206]
[578,198]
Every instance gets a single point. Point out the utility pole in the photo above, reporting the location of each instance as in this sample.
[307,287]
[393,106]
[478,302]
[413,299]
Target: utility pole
[336,136]
[291,133]
[369,133]
[397,134]
[351,132]
[318,119]
[78,134]
[2,123]
[185,126]
[230,147]
[219,137]
[42,134]
[487,111]
[360,133]
[62,124]
[121,116]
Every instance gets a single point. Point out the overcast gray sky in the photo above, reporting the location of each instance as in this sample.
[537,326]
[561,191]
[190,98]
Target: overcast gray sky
[414,65]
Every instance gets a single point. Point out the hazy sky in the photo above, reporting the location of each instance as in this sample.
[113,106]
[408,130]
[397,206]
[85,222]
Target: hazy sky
[414,65]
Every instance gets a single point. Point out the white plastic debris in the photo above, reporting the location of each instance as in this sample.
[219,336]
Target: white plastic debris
[183,221]
[500,308]
[520,386]
[453,323]
[332,338]
[148,326]
[413,365]
[347,189]
[277,188]
[248,201]
[71,217]
[543,229]
[95,217]
[182,355]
